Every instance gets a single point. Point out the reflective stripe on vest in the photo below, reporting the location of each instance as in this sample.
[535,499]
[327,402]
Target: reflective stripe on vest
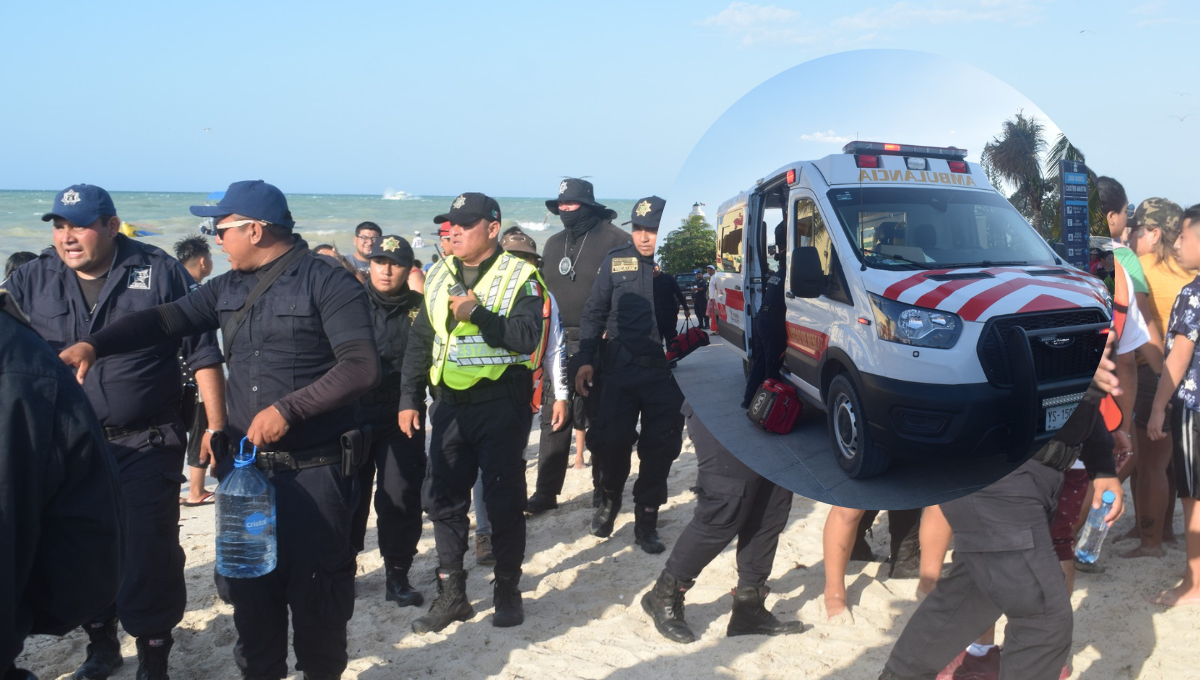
[462,357]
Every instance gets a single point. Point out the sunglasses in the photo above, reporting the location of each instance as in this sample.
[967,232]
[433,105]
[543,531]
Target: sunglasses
[220,229]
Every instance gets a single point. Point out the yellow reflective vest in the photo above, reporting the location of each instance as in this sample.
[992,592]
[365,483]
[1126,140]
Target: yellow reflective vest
[462,357]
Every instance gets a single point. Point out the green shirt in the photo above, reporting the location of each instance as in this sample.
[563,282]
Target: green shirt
[1129,261]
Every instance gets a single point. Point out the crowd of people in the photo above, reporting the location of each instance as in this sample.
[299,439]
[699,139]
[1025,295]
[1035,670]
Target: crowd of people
[369,380]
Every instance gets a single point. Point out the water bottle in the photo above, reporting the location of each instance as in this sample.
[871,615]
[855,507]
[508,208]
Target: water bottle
[245,519]
[1087,549]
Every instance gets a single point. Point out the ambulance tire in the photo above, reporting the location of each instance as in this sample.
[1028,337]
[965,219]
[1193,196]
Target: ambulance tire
[849,435]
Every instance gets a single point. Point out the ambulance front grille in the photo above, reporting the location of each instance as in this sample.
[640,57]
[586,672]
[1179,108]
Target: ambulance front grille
[1076,360]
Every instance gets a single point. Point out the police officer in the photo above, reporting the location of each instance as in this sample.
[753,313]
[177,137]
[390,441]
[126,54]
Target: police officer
[571,261]
[399,458]
[301,349]
[700,299]
[770,329]
[732,501]
[92,277]
[61,496]
[667,299]
[476,342]
[634,379]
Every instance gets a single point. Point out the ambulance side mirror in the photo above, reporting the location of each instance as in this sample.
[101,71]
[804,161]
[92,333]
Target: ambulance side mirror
[807,275]
[1060,249]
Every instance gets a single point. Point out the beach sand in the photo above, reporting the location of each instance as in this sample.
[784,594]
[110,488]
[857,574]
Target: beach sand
[584,619]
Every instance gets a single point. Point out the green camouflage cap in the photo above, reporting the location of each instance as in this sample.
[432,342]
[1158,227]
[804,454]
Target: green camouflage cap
[1157,213]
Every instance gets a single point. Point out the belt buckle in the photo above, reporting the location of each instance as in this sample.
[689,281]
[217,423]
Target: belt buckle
[265,460]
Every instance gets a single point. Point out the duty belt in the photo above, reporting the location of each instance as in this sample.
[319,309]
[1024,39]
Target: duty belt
[114,433]
[318,456]
[386,397]
[1058,455]
[623,356]
[475,395]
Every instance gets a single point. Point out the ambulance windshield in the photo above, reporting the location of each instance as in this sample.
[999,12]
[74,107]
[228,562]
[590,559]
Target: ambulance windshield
[918,228]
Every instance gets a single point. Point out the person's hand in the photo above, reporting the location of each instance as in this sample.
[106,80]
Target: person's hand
[462,306]
[267,427]
[410,422]
[1106,373]
[1122,444]
[583,379]
[81,356]
[1112,484]
[558,414]
[206,452]
[1154,427]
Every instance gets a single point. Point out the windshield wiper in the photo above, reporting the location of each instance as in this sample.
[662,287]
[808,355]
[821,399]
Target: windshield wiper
[922,265]
[984,263]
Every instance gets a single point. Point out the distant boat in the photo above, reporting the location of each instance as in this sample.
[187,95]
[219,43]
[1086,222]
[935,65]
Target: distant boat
[390,195]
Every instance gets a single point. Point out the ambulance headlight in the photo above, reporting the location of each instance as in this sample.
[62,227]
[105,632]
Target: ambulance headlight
[917,326]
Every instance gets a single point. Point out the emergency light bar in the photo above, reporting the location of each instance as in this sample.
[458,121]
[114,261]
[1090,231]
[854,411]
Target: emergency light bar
[948,152]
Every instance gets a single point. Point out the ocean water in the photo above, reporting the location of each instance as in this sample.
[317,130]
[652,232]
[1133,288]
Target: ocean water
[319,218]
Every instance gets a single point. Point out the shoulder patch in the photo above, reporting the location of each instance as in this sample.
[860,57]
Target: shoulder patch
[532,288]
[624,264]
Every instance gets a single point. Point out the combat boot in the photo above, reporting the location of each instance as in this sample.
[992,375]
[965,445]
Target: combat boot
[312,676]
[645,529]
[597,496]
[540,502]
[484,555]
[664,604]
[152,653]
[103,651]
[750,617]
[507,598]
[450,605]
[606,515]
[398,589]
[906,560]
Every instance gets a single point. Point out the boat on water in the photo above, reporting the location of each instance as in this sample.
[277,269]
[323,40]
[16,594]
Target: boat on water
[390,195]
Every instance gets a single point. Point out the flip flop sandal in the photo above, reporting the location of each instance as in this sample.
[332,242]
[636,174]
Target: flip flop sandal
[207,499]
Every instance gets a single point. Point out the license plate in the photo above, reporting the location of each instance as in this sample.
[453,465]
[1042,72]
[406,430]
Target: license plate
[1057,416]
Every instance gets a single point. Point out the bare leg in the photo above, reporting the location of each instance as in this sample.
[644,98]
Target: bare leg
[838,540]
[1187,592]
[195,485]
[935,542]
[1150,493]
[580,444]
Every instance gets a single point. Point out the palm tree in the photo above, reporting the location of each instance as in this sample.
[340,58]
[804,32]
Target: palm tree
[1014,156]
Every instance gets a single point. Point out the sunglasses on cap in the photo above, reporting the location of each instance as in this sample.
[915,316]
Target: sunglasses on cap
[220,229]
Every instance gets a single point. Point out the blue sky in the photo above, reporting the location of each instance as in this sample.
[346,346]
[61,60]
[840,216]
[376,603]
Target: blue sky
[507,98]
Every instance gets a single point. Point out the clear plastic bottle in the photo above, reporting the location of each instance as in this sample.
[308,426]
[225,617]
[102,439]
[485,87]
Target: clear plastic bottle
[245,520]
[1087,548]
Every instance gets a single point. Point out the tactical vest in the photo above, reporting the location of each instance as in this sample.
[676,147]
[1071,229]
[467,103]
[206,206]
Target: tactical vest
[462,357]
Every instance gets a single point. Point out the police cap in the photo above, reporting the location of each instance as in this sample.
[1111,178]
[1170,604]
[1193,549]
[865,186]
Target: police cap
[394,248]
[647,212]
[81,204]
[469,208]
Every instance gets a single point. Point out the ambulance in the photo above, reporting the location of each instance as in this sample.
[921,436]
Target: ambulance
[925,316]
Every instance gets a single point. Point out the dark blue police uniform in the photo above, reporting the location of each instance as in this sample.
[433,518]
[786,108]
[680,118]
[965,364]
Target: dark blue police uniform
[770,336]
[633,379]
[137,398]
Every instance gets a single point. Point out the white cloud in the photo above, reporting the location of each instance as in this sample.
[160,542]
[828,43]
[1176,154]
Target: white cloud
[829,137]
[756,24]
[940,14]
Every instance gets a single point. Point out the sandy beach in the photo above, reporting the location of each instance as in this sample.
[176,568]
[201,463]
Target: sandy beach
[584,619]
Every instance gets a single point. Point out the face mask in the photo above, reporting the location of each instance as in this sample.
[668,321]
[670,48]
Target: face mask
[579,222]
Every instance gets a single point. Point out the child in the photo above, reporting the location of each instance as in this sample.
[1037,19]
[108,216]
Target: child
[1181,380]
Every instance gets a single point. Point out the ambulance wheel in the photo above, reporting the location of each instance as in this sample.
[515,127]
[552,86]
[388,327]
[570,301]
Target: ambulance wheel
[848,432]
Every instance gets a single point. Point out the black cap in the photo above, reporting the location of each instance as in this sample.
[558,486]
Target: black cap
[393,248]
[578,191]
[647,212]
[469,208]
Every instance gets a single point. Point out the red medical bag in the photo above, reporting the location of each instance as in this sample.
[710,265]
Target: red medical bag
[686,342]
[775,407]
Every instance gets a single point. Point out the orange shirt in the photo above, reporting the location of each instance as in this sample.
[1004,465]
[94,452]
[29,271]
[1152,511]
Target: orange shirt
[1165,280]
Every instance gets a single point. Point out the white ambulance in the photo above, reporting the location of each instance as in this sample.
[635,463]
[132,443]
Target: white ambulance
[925,316]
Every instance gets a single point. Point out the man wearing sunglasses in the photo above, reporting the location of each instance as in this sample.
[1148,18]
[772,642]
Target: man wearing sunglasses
[476,342]
[303,352]
[94,277]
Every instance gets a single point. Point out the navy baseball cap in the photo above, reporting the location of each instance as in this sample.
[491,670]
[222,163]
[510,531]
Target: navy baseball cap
[469,208]
[394,248]
[254,199]
[81,204]
[647,212]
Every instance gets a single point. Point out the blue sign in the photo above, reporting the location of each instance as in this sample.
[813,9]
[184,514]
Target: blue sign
[1073,212]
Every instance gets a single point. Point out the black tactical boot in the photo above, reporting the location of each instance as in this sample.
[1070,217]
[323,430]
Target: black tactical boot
[318,676]
[750,617]
[507,598]
[861,552]
[906,553]
[597,496]
[103,651]
[540,502]
[450,605]
[664,604]
[645,531]
[152,653]
[398,589]
[606,515]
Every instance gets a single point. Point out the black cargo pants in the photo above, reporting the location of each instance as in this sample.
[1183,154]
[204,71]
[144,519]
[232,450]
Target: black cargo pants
[625,393]
[400,463]
[1004,563]
[485,438]
[770,342]
[153,593]
[733,501]
[314,577]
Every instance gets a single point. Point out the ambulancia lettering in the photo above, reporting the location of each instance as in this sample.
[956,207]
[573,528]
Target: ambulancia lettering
[925,176]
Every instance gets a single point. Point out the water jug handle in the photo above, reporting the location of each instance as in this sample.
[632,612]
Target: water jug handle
[242,459]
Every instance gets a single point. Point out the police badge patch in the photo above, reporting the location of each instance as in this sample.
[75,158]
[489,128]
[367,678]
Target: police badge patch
[624,264]
[139,278]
